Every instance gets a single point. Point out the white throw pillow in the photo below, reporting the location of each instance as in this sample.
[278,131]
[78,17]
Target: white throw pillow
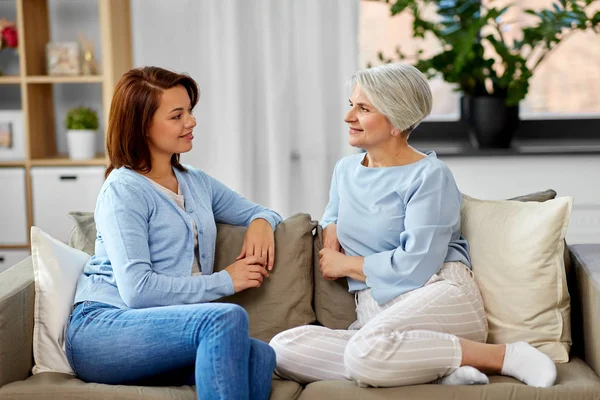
[56,269]
[516,251]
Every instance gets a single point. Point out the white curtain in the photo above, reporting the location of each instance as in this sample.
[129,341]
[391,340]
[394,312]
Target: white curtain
[273,79]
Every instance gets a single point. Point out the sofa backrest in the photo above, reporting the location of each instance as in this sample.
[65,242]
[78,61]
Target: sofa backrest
[17,295]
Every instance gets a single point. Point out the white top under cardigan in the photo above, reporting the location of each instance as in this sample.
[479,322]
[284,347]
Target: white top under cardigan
[180,201]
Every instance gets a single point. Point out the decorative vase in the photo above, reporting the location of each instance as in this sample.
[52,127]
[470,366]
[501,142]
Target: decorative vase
[9,62]
[490,122]
[81,144]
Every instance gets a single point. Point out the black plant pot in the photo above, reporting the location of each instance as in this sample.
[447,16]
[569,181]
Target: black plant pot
[490,122]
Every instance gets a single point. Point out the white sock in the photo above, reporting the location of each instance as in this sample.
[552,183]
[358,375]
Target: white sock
[465,376]
[528,365]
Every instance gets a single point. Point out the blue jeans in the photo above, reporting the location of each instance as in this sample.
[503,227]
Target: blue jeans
[202,344]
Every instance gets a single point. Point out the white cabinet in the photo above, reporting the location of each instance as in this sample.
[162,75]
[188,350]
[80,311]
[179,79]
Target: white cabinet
[58,191]
[13,207]
[504,177]
[9,258]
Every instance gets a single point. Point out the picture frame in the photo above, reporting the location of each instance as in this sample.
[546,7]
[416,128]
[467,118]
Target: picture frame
[12,142]
[63,58]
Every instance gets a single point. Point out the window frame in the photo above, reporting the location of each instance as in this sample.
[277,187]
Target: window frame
[529,129]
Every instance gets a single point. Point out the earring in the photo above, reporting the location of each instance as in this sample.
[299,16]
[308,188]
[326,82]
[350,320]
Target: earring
[394,133]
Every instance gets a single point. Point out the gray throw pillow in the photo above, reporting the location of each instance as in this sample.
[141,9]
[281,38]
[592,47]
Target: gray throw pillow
[284,300]
[83,233]
[334,305]
[542,196]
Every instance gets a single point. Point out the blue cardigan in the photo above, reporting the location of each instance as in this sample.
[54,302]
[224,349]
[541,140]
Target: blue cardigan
[145,241]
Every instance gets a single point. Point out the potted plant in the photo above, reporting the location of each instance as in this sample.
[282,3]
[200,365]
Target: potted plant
[493,83]
[82,125]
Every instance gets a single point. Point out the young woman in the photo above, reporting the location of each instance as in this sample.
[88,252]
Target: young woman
[142,309]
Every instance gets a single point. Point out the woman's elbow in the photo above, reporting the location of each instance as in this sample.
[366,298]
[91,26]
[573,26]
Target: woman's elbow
[135,299]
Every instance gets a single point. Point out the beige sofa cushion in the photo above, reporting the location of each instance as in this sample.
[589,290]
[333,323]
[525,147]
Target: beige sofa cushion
[284,300]
[516,253]
[55,386]
[56,268]
[575,380]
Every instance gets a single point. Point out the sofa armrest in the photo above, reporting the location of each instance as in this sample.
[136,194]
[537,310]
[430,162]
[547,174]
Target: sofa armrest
[586,265]
[17,294]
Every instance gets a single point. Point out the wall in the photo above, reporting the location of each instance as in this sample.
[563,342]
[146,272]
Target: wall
[503,177]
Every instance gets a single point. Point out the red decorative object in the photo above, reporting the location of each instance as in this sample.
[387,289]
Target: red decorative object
[8,34]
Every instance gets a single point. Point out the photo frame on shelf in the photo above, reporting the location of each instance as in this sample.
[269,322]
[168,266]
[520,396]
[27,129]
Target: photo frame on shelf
[6,141]
[12,144]
[63,58]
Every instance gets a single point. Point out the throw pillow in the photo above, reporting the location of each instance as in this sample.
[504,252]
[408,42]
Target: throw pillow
[284,300]
[83,234]
[542,196]
[516,252]
[334,305]
[56,269]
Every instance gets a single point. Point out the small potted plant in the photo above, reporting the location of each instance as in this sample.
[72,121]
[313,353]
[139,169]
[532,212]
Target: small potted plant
[82,125]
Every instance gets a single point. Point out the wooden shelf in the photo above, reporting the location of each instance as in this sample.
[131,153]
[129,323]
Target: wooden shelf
[64,160]
[8,163]
[64,79]
[14,246]
[37,88]
[10,80]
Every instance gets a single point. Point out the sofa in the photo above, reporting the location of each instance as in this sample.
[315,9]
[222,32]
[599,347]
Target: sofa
[295,294]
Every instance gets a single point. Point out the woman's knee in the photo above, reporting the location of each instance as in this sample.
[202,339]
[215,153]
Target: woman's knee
[284,343]
[355,361]
[231,316]
[280,341]
[363,357]
[264,351]
[292,336]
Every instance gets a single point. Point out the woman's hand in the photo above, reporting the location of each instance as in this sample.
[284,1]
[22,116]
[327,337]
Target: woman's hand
[259,241]
[332,263]
[247,273]
[336,265]
[330,240]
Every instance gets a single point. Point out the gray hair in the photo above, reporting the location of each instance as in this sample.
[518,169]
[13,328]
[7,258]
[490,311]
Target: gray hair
[398,91]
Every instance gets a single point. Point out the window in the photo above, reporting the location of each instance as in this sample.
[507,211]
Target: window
[566,85]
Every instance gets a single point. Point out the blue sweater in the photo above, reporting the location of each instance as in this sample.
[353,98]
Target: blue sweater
[405,222]
[145,241]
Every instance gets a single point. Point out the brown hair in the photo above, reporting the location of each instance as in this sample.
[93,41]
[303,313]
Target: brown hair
[136,99]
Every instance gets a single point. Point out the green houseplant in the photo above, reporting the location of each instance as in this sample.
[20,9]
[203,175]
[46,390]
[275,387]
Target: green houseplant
[82,125]
[492,84]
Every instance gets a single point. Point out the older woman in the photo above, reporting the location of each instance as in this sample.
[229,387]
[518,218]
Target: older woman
[392,228]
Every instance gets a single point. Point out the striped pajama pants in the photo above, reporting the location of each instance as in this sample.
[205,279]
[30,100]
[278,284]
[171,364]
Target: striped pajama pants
[409,340]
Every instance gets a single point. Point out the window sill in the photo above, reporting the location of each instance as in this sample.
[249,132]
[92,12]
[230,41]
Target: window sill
[520,147]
